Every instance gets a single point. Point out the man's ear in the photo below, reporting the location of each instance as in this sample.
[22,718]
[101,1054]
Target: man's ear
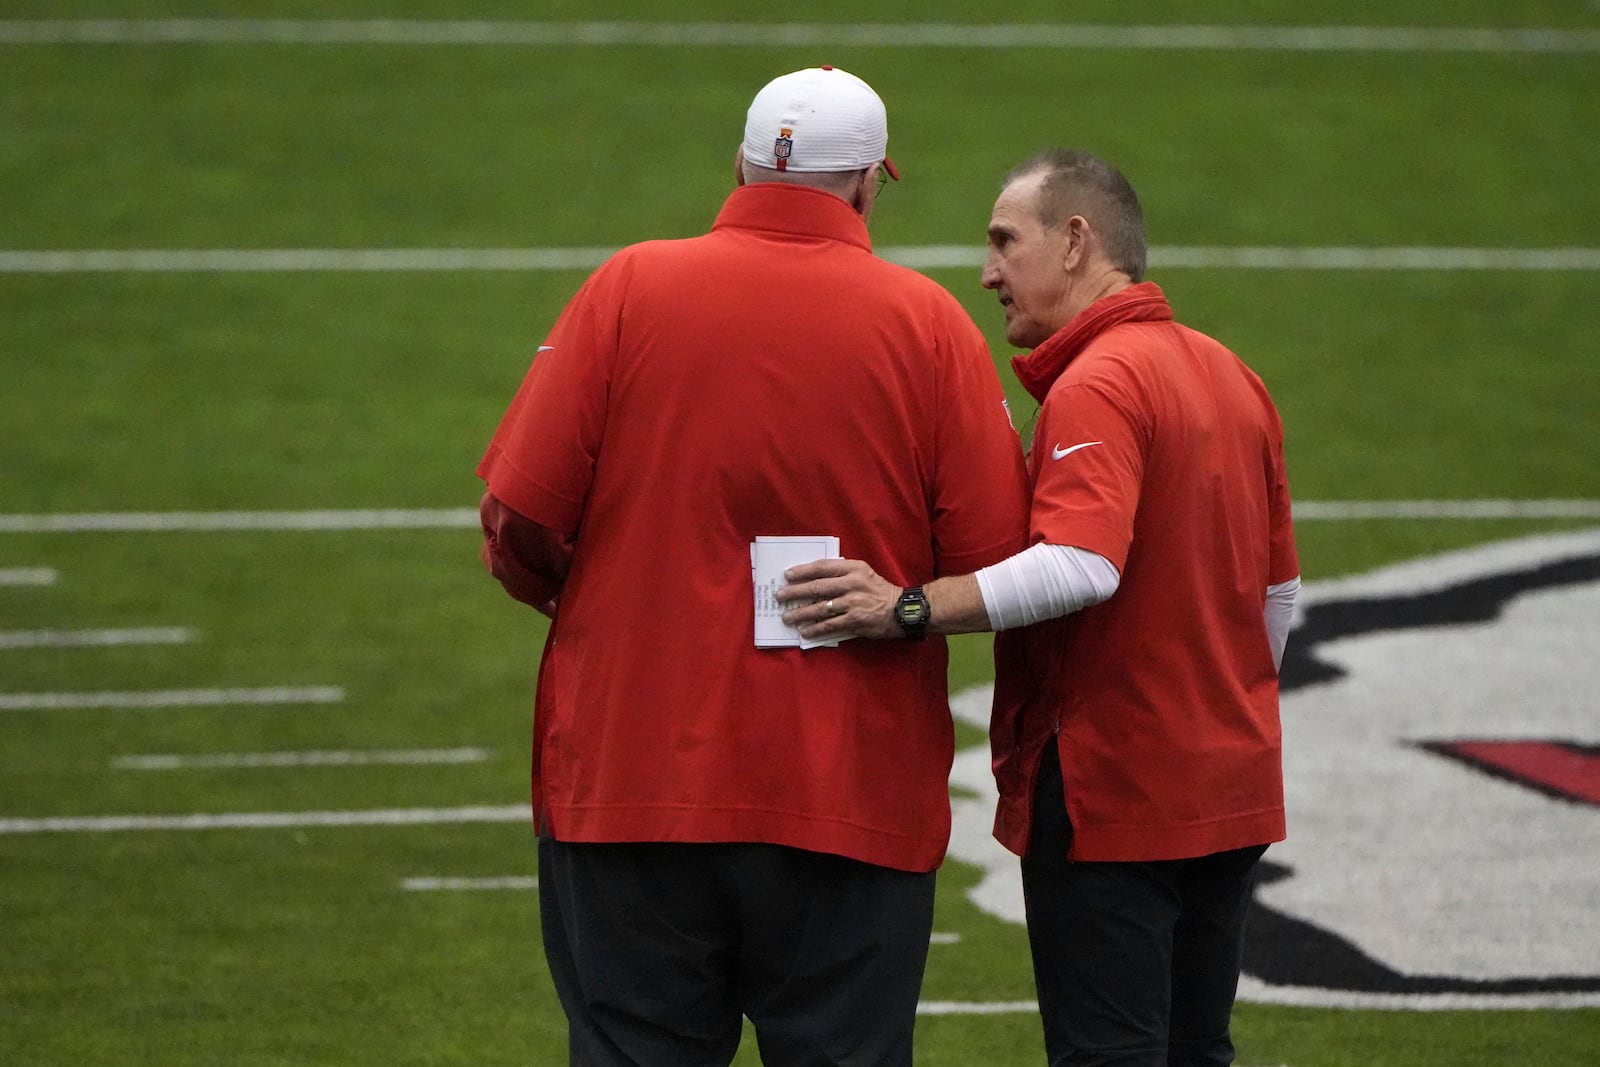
[1078,237]
[861,201]
[738,166]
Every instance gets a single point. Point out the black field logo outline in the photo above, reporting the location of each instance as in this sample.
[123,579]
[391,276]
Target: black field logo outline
[1282,950]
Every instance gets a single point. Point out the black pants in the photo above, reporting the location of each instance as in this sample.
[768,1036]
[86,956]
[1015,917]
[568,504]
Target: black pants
[1136,964]
[657,950]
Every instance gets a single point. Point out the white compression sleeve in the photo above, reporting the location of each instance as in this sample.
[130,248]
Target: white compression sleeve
[1279,614]
[1043,582]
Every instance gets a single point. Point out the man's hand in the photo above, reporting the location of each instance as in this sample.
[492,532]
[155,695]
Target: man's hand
[839,597]
[529,560]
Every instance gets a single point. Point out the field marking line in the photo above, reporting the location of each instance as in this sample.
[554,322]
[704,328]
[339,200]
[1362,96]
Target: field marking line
[797,34]
[172,761]
[170,698]
[219,521]
[467,518]
[961,1007]
[266,820]
[919,257]
[221,260]
[1255,991]
[151,635]
[1274,257]
[28,576]
[427,885]
[1358,510]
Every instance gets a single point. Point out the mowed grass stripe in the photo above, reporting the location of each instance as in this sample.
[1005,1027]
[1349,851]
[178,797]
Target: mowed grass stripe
[467,518]
[920,257]
[792,34]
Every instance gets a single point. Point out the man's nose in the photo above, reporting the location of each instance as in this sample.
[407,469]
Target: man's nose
[990,275]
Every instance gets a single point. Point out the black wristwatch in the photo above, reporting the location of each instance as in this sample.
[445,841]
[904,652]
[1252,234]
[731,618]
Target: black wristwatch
[911,612]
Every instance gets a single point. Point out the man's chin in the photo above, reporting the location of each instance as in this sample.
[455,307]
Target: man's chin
[1019,337]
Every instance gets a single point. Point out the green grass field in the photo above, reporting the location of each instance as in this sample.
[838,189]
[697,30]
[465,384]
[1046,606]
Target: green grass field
[193,391]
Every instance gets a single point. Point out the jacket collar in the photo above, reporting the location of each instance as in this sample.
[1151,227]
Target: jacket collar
[794,211]
[1039,369]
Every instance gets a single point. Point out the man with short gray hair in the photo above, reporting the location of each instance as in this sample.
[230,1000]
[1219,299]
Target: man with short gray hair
[1135,731]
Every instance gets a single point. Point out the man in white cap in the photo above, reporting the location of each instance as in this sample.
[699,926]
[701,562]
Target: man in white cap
[730,830]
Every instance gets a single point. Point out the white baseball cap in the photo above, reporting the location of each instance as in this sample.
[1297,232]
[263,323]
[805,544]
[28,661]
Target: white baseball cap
[817,120]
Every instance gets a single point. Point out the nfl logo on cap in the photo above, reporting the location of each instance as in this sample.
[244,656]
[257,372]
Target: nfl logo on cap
[818,120]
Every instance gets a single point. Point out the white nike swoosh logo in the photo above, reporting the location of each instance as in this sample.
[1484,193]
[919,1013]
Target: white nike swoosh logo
[1060,453]
[546,348]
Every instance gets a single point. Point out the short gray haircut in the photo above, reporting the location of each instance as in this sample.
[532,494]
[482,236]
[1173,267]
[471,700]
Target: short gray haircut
[838,182]
[1080,183]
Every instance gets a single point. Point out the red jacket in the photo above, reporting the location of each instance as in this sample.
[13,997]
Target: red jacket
[772,377]
[1157,448]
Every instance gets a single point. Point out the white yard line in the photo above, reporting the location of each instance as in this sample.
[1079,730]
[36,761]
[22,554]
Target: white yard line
[1352,510]
[920,257]
[269,820]
[28,576]
[991,1007]
[1258,992]
[219,521]
[155,635]
[427,885]
[170,698]
[212,260]
[796,34]
[467,518]
[1381,259]
[1272,257]
[172,761]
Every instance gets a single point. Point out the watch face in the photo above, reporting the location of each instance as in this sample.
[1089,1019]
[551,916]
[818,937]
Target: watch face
[912,609]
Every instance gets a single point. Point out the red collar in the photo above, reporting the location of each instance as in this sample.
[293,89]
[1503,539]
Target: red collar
[793,210]
[1039,369]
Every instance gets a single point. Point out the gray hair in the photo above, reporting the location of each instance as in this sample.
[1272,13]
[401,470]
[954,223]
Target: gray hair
[837,182]
[1079,183]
